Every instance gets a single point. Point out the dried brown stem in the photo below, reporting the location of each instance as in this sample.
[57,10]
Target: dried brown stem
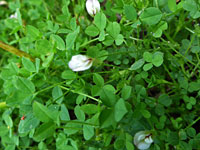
[15,51]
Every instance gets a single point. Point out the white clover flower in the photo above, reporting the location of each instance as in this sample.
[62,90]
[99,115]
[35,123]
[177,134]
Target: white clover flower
[3,3]
[93,7]
[143,140]
[80,63]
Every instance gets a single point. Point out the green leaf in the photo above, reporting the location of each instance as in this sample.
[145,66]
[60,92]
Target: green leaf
[32,32]
[113,29]
[130,12]
[72,128]
[57,94]
[172,5]
[43,47]
[28,65]
[108,96]
[106,118]
[30,122]
[120,110]
[119,144]
[146,113]
[126,92]
[157,59]
[43,113]
[147,67]
[129,145]
[151,16]
[173,138]
[71,37]
[194,86]
[3,130]
[137,65]
[73,24]
[147,56]
[160,28]
[182,135]
[79,113]
[119,40]
[10,71]
[100,21]
[37,64]
[89,108]
[102,35]
[165,100]
[19,18]
[98,80]
[64,113]
[8,120]
[68,75]
[24,85]
[108,40]
[60,44]
[44,131]
[88,132]
[92,31]
[192,7]
[191,132]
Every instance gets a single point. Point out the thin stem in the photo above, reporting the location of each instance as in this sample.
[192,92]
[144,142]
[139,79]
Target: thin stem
[15,51]
[79,122]
[49,87]
[135,39]
[83,94]
[191,124]
[88,42]
[189,45]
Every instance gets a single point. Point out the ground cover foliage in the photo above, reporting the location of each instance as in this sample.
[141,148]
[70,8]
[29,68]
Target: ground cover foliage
[144,77]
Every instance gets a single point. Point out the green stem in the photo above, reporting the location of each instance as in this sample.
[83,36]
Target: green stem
[191,124]
[79,122]
[189,45]
[83,94]
[88,42]
[49,87]
[166,69]
[135,39]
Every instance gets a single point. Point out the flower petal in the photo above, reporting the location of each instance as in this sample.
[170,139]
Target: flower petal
[143,145]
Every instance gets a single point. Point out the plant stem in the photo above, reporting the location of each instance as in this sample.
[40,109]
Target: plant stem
[191,124]
[79,122]
[15,51]
[88,42]
[83,94]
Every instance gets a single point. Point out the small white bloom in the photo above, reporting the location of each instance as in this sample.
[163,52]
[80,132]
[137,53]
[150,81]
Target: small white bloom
[14,15]
[143,140]
[93,7]
[80,63]
[3,3]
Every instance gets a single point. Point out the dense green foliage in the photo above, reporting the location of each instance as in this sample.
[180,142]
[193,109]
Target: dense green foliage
[145,75]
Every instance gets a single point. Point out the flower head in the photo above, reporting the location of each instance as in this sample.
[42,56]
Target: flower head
[80,63]
[143,140]
[93,7]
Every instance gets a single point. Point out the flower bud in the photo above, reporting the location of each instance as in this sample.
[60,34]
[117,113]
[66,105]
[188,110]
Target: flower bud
[93,7]
[80,63]
[143,140]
